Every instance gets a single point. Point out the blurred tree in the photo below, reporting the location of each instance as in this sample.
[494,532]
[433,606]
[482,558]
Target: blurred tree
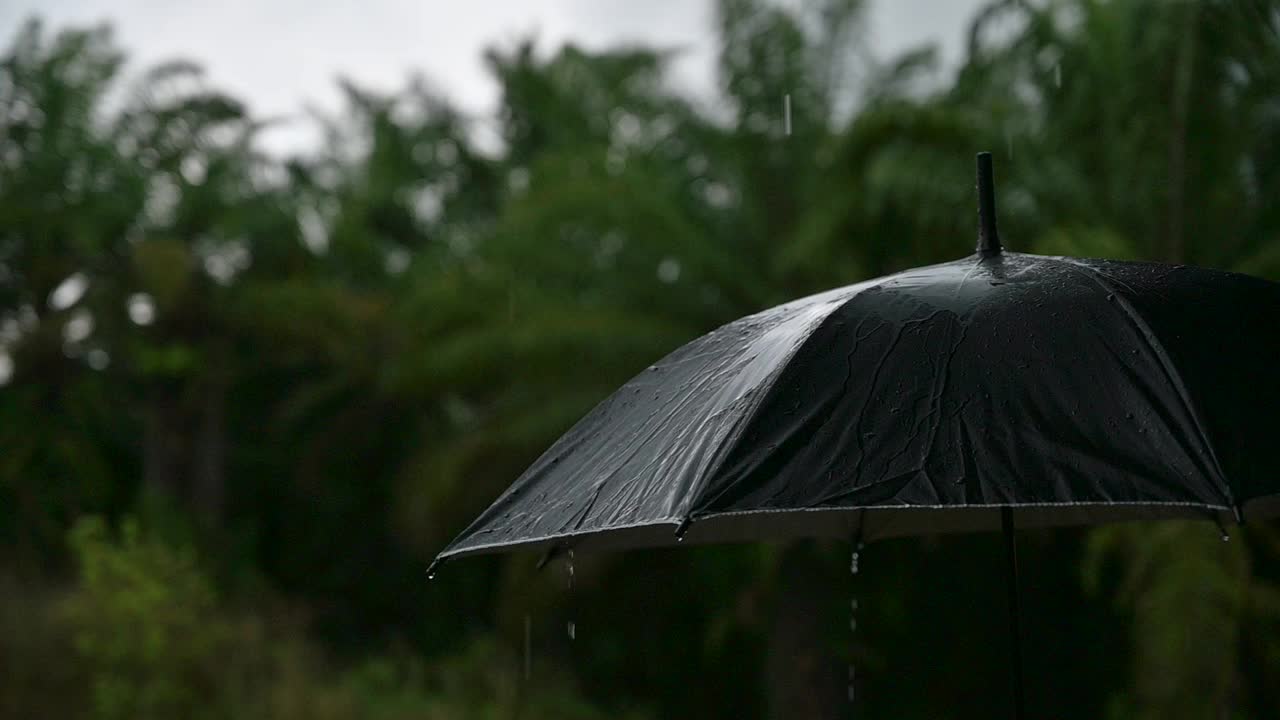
[66,202]
[313,370]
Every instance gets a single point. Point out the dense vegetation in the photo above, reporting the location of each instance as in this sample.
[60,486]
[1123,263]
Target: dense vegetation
[246,398]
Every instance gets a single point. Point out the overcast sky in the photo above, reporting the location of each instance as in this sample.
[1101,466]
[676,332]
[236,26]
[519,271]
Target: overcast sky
[282,54]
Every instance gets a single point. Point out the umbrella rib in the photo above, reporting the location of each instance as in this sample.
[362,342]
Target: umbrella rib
[731,438]
[1166,364]
[637,447]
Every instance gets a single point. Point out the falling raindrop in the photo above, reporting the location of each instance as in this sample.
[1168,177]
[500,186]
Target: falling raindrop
[572,627]
[1226,536]
[786,114]
[1057,75]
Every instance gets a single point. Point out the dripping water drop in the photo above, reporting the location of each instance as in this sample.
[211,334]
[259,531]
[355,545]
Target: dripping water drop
[853,611]
[572,626]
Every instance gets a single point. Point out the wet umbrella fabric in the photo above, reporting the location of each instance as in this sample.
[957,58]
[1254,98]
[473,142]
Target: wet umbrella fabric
[1073,391]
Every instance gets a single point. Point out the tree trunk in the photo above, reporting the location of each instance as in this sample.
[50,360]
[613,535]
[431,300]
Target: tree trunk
[208,490]
[161,443]
[184,448]
[805,677]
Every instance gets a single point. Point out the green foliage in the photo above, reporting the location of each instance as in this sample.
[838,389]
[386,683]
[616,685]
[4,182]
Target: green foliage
[1191,596]
[146,622]
[1186,590]
[310,372]
[481,683]
[157,642]
[40,679]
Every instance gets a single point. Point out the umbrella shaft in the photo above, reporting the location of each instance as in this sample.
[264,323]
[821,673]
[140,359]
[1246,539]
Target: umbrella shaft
[1015,634]
[988,236]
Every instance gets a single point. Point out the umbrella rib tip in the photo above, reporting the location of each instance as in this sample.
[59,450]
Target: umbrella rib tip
[682,528]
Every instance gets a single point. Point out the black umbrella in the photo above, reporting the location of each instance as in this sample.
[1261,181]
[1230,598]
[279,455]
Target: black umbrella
[995,391]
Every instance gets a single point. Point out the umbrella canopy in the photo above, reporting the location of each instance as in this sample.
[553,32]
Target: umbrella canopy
[1066,390]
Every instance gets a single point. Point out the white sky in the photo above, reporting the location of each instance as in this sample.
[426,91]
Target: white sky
[279,55]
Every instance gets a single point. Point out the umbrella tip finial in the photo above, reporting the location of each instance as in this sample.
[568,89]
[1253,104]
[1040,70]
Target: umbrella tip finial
[988,237]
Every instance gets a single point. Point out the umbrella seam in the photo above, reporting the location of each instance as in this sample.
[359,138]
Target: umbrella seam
[734,435]
[1166,364]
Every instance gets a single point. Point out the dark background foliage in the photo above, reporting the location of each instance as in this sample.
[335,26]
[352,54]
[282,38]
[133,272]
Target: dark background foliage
[246,398]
